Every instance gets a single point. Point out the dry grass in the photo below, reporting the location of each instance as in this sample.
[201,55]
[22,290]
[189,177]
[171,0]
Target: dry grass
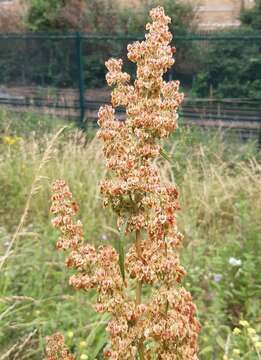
[33,191]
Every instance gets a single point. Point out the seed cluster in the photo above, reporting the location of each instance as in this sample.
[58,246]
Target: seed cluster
[158,321]
[56,348]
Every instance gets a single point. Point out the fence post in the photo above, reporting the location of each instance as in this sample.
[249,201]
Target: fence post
[80,76]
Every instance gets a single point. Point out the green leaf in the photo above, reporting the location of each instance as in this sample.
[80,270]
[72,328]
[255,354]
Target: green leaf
[101,342]
[166,156]
[220,342]
[206,350]
[97,337]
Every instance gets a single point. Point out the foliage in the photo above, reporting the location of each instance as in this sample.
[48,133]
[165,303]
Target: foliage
[19,124]
[252,17]
[41,14]
[52,15]
[50,62]
[103,16]
[232,69]
[182,14]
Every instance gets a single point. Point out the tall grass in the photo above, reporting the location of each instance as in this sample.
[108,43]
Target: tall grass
[220,196]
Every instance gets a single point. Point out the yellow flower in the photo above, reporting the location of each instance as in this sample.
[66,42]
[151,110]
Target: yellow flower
[70,334]
[244,323]
[251,331]
[255,338]
[83,344]
[236,351]
[84,357]
[258,345]
[236,331]
[9,140]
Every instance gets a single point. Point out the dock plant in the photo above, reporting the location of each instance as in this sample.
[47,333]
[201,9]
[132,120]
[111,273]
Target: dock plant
[139,282]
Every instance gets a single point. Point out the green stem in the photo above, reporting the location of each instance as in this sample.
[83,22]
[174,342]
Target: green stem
[139,283]
[139,291]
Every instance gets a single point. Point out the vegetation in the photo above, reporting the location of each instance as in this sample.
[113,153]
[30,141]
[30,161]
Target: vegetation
[54,63]
[233,68]
[220,199]
[20,124]
[252,17]
[152,316]
[103,16]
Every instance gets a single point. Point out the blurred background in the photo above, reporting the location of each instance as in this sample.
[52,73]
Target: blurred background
[52,74]
[53,54]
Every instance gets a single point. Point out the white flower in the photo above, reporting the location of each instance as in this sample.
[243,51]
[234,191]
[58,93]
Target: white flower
[234,262]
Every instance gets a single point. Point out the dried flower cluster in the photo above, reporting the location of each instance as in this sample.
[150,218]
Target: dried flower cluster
[56,348]
[161,325]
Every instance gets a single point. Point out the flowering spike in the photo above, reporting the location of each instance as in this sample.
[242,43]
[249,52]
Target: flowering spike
[56,348]
[163,325]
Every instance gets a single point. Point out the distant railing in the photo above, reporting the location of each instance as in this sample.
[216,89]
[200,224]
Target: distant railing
[63,74]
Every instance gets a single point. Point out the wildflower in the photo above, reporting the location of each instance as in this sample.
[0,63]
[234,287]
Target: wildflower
[234,262]
[83,344]
[258,345]
[236,351]
[236,331]
[244,323]
[256,338]
[10,140]
[144,205]
[251,331]
[56,348]
[217,277]
[84,357]
[70,334]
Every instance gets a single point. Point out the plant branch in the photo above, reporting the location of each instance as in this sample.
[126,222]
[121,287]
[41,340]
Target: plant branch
[139,290]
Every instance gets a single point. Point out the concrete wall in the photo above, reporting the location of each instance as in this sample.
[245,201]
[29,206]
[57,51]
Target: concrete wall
[6,3]
[218,14]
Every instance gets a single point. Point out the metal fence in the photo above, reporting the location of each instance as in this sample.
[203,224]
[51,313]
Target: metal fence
[64,75]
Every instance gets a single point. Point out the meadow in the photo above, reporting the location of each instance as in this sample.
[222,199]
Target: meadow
[219,184]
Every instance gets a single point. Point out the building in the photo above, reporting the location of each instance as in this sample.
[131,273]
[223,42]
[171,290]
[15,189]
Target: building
[220,14]
[6,2]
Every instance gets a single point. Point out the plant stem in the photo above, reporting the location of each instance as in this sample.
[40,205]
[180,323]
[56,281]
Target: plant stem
[139,283]
[139,291]
[167,303]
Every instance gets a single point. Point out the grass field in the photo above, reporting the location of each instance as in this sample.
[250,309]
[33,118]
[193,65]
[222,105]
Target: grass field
[219,184]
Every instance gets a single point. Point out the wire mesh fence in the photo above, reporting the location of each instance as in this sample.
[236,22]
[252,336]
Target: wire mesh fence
[64,75]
